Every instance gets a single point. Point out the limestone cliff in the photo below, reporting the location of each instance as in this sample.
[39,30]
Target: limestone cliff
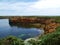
[48,24]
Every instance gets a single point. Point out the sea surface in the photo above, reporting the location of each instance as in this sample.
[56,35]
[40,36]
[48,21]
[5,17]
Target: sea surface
[19,32]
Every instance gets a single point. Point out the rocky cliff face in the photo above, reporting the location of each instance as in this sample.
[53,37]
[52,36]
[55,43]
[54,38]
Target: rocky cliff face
[49,25]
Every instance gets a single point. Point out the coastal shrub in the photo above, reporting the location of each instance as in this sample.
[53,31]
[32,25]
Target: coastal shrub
[11,41]
[51,38]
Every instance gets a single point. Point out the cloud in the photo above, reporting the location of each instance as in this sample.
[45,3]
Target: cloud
[13,6]
[46,4]
[40,7]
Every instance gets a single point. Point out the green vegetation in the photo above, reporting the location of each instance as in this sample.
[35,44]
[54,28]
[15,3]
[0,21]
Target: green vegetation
[51,38]
[11,41]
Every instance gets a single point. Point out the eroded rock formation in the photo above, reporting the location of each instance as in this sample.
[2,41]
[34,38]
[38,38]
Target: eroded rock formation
[47,24]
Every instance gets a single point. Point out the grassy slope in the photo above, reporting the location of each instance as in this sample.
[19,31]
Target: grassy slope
[51,38]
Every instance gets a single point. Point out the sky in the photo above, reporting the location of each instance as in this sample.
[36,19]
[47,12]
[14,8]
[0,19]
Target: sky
[29,7]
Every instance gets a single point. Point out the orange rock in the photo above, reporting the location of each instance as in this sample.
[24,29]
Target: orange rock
[51,30]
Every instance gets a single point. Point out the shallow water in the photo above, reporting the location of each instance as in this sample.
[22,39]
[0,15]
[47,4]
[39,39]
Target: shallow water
[20,32]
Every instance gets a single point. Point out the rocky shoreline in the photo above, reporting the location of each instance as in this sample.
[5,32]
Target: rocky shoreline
[47,24]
